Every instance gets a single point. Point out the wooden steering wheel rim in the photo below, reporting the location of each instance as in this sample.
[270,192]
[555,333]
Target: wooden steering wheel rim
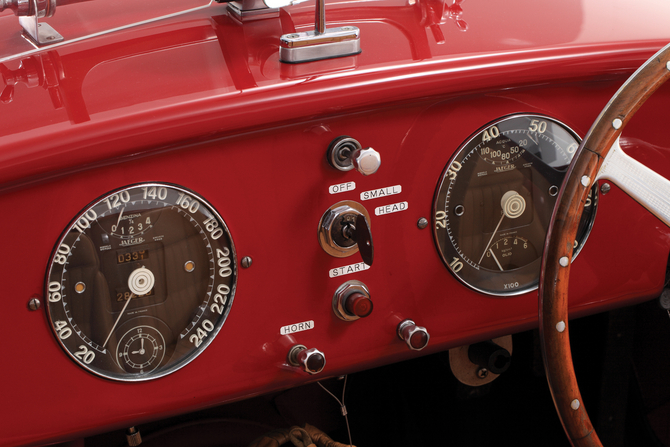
[558,250]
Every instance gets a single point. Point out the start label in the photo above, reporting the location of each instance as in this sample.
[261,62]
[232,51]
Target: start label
[348,269]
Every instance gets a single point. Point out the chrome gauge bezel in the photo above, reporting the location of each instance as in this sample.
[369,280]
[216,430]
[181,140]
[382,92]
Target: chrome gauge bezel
[544,159]
[178,220]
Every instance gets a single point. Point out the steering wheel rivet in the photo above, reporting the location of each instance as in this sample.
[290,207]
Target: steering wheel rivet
[560,326]
[564,261]
[586,181]
[617,123]
[575,404]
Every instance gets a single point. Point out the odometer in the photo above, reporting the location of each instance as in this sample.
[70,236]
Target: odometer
[495,200]
[141,281]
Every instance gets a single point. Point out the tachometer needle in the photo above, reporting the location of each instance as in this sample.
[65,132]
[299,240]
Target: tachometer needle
[492,236]
[495,259]
[117,319]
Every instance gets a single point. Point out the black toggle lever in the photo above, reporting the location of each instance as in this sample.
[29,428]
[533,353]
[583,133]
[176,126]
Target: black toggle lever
[359,232]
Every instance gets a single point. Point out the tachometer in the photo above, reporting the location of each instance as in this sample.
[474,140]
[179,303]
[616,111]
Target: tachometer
[495,199]
[141,281]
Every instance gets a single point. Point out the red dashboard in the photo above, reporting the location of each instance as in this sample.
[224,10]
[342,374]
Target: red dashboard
[202,101]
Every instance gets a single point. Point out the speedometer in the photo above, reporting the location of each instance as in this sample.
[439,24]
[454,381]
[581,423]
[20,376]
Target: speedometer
[494,202]
[141,281]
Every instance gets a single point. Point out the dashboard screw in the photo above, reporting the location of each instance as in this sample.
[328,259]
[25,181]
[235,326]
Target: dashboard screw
[605,188]
[34,304]
[422,223]
[482,373]
[246,262]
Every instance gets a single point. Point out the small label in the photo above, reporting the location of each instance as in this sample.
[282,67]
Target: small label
[392,208]
[383,192]
[342,187]
[348,269]
[297,327]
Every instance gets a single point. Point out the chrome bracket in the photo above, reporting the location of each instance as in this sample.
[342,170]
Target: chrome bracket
[40,33]
[245,10]
[321,43]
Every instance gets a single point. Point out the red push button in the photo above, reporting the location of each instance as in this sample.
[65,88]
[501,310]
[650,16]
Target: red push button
[358,305]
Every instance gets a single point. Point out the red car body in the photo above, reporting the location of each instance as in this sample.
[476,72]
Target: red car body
[201,100]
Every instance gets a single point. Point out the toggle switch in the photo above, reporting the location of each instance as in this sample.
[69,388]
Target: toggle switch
[351,301]
[415,336]
[346,153]
[312,361]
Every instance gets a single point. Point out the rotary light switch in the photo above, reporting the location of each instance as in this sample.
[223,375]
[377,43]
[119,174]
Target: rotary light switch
[312,361]
[346,153]
[344,229]
[415,336]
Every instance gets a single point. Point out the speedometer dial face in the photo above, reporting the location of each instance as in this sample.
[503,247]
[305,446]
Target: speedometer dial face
[495,200]
[141,281]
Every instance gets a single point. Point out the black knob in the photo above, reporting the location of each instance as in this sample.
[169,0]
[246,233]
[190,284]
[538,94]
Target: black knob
[490,356]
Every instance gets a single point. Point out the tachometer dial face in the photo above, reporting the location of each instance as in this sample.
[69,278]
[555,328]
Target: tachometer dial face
[141,281]
[495,200]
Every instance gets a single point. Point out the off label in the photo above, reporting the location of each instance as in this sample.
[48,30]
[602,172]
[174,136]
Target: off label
[342,187]
[348,269]
[392,208]
[297,327]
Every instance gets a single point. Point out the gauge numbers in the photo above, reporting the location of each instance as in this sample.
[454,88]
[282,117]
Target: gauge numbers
[495,200]
[141,281]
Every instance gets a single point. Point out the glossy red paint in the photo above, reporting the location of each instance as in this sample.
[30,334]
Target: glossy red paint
[202,101]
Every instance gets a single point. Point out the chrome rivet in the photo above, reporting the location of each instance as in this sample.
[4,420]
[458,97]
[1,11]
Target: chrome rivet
[667,65]
[246,262]
[605,188]
[586,181]
[80,287]
[553,190]
[574,404]
[459,210]
[189,266]
[617,123]
[564,261]
[482,373]
[560,326]
[34,304]
[422,223]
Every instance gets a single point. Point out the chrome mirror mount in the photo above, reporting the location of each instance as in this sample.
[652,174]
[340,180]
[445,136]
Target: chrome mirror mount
[321,43]
[29,13]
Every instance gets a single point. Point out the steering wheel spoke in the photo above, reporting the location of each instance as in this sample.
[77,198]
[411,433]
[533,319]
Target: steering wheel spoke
[648,188]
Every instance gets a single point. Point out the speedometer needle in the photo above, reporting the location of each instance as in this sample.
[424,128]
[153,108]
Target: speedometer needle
[117,319]
[140,281]
[495,259]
